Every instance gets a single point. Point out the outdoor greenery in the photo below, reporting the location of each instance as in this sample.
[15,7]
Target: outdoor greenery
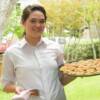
[71,15]
[82,50]
[65,18]
[14,23]
[84,88]
[69,18]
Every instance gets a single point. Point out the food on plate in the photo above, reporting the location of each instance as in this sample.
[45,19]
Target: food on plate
[82,68]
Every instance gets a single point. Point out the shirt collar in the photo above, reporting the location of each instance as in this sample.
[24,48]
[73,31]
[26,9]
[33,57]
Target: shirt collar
[23,42]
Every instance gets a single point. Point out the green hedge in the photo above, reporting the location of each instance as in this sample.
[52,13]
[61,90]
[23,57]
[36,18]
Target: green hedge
[81,51]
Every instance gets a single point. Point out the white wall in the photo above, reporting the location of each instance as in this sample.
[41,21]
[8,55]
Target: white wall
[24,3]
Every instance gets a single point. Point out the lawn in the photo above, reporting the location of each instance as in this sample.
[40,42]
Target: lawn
[86,88]
[82,88]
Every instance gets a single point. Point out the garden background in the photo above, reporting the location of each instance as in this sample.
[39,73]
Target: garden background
[75,24]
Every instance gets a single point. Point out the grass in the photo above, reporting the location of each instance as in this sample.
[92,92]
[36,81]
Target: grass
[86,88]
[5,96]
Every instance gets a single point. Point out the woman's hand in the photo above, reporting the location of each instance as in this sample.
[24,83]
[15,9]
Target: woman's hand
[13,88]
[18,89]
[34,92]
[65,79]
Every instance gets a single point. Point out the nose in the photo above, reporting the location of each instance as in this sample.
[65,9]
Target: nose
[38,24]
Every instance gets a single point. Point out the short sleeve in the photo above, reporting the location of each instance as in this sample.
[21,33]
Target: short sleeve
[8,75]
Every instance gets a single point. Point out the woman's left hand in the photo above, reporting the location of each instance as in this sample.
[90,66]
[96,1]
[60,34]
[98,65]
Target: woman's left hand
[65,79]
[34,92]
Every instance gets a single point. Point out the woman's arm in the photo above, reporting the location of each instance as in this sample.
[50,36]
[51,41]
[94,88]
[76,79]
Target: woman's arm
[16,89]
[9,88]
[12,88]
[65,79]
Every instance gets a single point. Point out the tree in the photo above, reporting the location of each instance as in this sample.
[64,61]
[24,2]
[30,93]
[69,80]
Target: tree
[63,15]
[6,6]
[71,15]
[13,24]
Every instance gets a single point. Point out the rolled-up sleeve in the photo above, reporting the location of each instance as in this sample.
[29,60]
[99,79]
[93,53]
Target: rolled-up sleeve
[8,75]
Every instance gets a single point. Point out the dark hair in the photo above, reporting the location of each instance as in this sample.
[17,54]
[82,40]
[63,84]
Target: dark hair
[29,9]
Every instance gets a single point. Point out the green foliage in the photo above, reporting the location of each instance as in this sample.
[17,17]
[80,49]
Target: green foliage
[79,51]
[62,15]
[71,15]
[13,24]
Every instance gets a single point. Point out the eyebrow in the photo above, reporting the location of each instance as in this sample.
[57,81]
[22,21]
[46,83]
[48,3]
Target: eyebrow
[38,19]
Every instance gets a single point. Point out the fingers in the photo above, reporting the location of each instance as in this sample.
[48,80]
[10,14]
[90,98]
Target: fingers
[34,92]
[19,90]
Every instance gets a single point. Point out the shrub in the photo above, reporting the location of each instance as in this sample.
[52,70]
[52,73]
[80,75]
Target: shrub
[81,51]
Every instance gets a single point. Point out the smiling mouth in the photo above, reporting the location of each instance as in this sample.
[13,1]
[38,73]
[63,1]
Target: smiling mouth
[38,30]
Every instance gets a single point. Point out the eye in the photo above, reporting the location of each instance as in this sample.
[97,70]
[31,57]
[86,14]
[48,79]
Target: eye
[42,21]
[33,21]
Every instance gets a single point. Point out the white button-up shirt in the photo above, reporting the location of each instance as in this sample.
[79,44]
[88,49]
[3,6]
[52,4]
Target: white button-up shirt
[35,68]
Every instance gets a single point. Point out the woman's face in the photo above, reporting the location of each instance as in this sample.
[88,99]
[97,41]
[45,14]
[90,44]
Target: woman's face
[35,24]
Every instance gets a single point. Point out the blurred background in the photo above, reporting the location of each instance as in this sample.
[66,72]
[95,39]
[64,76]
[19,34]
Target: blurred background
[74,24]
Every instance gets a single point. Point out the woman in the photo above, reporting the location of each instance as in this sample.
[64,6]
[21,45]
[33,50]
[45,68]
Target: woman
[33,62]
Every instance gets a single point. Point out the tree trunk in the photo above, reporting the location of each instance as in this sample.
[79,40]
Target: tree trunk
[6,6]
